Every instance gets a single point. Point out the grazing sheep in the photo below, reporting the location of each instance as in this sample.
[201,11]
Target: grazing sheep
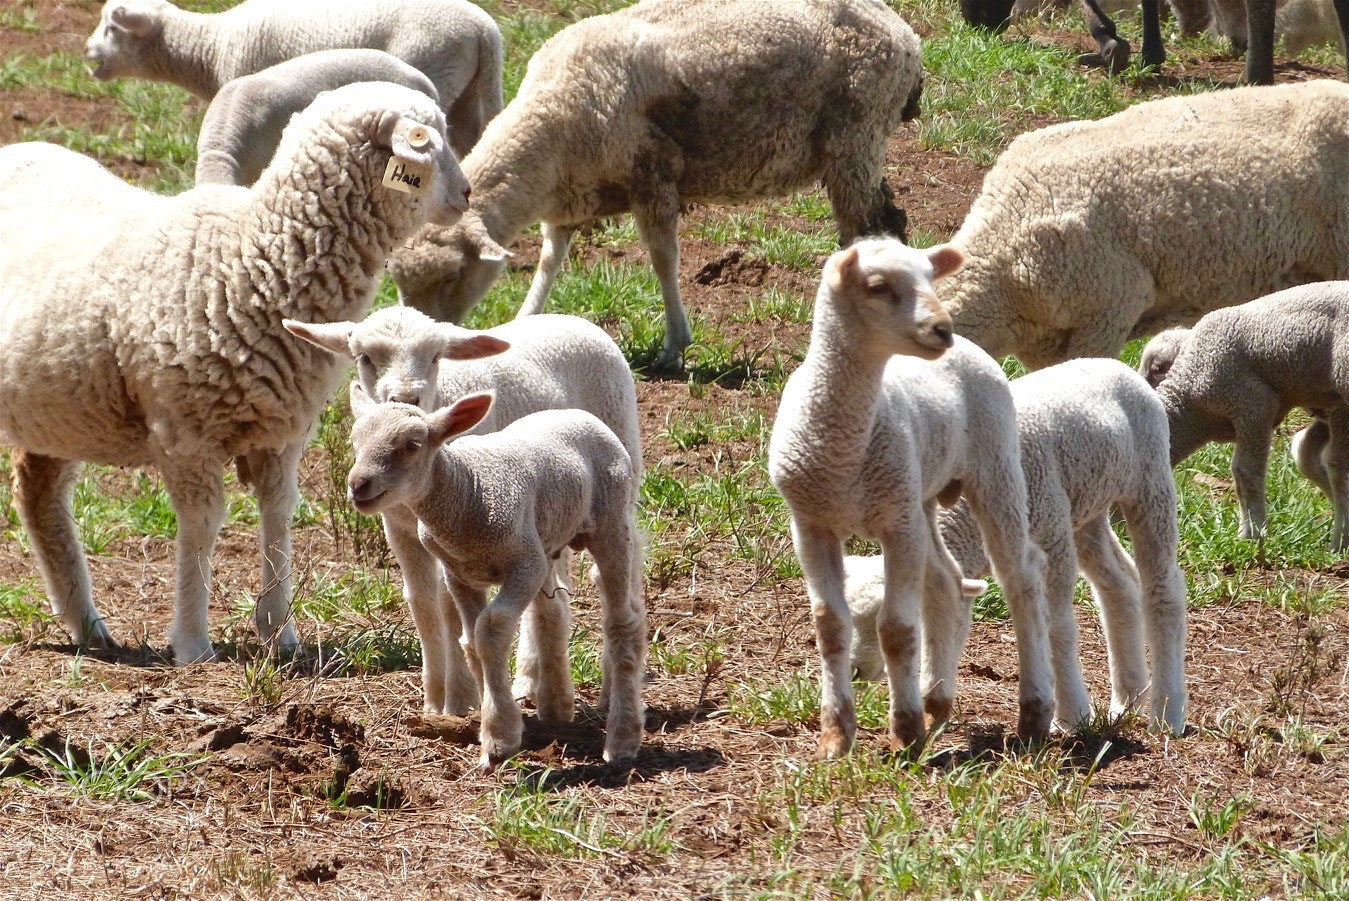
[867,440]
[1093,435]
[633,111]
[143,330]
[495,509]
[456,44]
[243,124]
[549,362]
[1240,370]
[1087,234]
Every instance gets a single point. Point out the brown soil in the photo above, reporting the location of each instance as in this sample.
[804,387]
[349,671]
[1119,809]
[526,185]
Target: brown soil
[253,819]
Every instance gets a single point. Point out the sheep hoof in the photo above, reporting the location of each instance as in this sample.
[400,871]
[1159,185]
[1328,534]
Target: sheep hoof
[938,708]
[1035,720]
[834,743]
[907,729]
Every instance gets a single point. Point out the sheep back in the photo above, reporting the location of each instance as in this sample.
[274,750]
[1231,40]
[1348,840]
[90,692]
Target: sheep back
[1088,233]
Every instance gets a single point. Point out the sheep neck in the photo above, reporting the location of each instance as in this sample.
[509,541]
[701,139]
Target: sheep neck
[448,499]
[193,64]
[513,178]
[301,248]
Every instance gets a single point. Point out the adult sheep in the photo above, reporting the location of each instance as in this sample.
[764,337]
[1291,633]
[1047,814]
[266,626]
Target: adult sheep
[142,330]
[1087,234]
[456,44]
[672,102]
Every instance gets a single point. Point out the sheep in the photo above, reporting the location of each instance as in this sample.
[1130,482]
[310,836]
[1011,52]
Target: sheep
[143,330]
[550,362]
[1087,234]
[456,44]
[1308,448]
[495,509]
[1093,435]
[632,111]
[1255,36]
[1306,23]
[867,440]
[1240,370]
[243,124]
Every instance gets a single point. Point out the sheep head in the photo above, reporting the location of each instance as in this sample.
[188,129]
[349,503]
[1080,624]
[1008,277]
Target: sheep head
[126,28]
[398,351]
[884,290]
[444,272]
[1161,354]
[396,446]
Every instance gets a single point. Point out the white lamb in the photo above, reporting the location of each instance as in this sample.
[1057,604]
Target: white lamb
[866,442]
[1093,435]
[456,44]
[145,330]
[495,509]
[243,124]
[672,102]
[1088,234]
[549,362]
[1239,371]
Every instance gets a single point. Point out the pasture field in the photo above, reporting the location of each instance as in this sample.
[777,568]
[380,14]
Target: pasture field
[121,775]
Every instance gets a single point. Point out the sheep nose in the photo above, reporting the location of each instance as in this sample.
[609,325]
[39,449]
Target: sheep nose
[358,487]
[943,332]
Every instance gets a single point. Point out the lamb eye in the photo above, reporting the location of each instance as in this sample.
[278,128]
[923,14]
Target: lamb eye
[878,287]
[363,360]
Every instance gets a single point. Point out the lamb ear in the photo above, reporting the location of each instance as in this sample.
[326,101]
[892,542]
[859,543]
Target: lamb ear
[409,140]
[460,344]
[842,268]
[334,337]
[458,417]
[133,21]
[946,259]
[488,250]
[361,404]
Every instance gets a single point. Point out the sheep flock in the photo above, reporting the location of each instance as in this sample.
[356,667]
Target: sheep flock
[363,183]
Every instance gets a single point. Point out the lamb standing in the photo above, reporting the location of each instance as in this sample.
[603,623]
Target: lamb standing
[495,509]
[1240,370]
[865,443]
[1093,435]
[146,330]
[243,124]
[552,362]
[794,92]
[456,44]
[1088,234]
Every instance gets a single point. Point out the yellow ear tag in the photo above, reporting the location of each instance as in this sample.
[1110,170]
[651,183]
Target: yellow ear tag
[407,176]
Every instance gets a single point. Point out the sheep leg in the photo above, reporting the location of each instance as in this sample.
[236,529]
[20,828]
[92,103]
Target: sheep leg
[43,490]
[447,684]
[493,633]
[275,479]
[1018,565]
[945,625]
[908,559]
[1072,704]
[821,556]
[1342,14]
[542,656]
[556,241]
[1308,448]
[1336,466]
[618,561]
[1259,41]
[1152,527]
[1119,596]
[1250,462]
[658,227]
[469,602]
[198,497]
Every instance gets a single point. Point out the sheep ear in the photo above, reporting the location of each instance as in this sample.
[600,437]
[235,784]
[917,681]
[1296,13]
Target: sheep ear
[409,140]
[361,404]
[946,259]
[458,417]
[334,337]
[133,21]
[842,268]
[488,250]
[472,346]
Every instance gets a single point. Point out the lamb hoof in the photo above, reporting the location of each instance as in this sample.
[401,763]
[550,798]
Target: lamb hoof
[193,653]
[834,743]
[907,729]
[1035,720]
[939,708]
[1113,57]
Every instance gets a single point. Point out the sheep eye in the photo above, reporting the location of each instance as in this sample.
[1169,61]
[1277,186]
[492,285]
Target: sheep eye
[878,286]
[363,360]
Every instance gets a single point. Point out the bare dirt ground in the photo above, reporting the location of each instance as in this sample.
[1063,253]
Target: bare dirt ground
[254,819]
